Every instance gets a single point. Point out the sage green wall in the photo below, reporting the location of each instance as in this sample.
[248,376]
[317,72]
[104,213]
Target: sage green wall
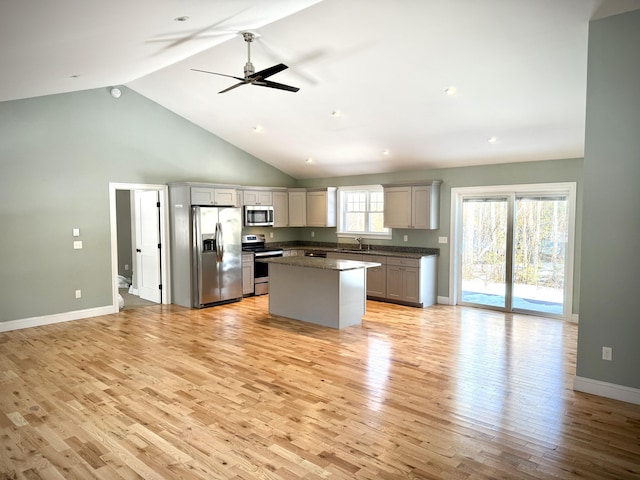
[611,228]
[504,174]
[58,155]
[60,152]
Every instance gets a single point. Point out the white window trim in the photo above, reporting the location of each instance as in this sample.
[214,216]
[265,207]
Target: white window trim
[380,236]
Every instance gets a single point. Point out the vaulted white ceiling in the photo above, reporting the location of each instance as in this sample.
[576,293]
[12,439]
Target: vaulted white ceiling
[518,68]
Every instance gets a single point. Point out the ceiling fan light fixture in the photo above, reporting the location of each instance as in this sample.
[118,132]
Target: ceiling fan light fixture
[492,139]
[258,129]
[309,161]
[451,91]
[386,152]
[336,113]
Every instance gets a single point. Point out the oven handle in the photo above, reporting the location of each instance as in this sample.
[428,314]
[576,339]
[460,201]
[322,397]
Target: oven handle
[267,254]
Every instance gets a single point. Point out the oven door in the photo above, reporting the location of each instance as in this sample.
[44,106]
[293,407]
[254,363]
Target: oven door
[261,272]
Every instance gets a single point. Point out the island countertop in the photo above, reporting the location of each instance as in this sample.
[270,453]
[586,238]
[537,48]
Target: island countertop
[319,262]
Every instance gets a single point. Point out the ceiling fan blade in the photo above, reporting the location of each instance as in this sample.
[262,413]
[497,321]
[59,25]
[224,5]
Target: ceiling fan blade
[221,74]
[233,86]
[296,65]
[201,32]
[267,72]
[279,86]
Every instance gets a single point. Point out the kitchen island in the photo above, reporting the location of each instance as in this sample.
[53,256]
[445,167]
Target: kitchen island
[324,291]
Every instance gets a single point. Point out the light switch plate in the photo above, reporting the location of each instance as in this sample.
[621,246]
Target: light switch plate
[76,232]
[443,239]
[77,245]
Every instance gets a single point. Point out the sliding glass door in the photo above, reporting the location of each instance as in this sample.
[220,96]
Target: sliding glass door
[484,250]
[540,246]
[512,249]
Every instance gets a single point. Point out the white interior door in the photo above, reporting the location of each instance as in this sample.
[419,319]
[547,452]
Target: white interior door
[147,218]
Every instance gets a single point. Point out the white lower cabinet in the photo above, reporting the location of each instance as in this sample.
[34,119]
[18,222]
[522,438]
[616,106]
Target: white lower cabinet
[403,283]
[376,276]
[412,280]
[247,274]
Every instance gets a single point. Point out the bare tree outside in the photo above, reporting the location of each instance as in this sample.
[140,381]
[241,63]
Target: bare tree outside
[540,236]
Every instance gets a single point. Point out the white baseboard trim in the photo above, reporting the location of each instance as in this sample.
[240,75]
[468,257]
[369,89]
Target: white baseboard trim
[442,300]
[56,318]
[608,390]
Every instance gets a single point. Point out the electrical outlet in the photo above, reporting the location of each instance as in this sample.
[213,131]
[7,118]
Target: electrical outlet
[78,293]
[607,353]
[270,234]
[77,245]
[443,239]
[126,266]
[406,238]
[76,232]
[313,234]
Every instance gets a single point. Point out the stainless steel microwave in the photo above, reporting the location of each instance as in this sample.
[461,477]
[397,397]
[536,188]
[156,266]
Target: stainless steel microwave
[258,216]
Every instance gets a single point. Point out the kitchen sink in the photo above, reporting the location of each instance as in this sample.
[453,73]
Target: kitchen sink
[353,250]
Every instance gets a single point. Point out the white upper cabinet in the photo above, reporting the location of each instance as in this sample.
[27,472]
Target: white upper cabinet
[412,206]
[214,196]
[280,209]
[297,207]
[397,207]
[321,207]
[257,197]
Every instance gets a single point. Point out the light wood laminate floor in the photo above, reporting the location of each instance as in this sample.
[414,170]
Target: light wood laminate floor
[232,393]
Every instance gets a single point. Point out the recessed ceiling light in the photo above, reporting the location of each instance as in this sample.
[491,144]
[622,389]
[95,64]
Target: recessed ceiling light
[386,151]
[492,139]
[451,90]
[336,113]
[309,160]
[74,76]
[184,18]
[258,129]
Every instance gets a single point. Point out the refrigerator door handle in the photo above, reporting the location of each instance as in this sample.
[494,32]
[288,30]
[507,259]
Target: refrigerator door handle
[219,240]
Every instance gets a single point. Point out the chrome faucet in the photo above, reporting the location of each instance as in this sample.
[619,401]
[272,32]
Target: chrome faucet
[359,240]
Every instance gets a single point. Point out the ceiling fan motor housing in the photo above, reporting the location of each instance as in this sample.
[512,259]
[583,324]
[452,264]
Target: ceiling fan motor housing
[248,69]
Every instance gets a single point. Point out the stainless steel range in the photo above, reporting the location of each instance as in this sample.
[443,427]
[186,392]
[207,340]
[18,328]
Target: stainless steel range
[256,244]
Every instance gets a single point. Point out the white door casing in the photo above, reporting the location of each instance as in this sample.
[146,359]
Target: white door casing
[457,194]
[165,251]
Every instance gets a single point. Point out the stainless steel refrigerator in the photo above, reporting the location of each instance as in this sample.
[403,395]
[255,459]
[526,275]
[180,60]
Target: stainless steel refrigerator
[216,255]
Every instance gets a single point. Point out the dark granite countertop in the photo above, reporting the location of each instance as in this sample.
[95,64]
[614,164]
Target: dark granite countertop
[386,250]
[319,262]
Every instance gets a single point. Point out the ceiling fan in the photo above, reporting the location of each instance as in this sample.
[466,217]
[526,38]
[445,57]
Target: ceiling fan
[251,76]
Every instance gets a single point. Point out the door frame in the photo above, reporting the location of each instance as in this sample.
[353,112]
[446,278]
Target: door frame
[458,193]
[165,251]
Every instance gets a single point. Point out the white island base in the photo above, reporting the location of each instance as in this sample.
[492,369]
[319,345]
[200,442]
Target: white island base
[330,297]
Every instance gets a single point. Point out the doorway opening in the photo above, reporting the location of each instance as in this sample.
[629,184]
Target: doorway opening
[513,248]
[139,245]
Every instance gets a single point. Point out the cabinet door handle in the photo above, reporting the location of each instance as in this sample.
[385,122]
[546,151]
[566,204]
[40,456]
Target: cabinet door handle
[138,250]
